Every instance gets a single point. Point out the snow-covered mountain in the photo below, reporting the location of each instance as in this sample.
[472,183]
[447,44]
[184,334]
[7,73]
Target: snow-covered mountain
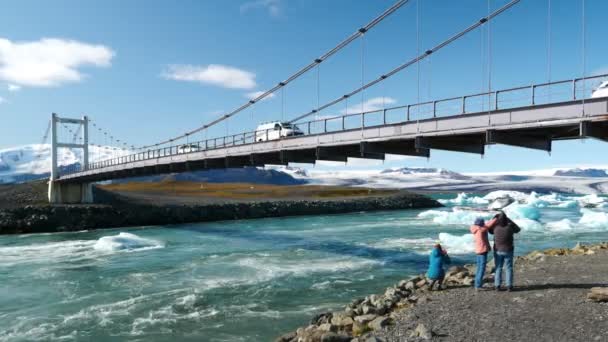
[34,161]
[582,173]
[586,181]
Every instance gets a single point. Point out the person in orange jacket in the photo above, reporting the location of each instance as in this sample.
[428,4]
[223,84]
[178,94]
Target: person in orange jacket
[482,246]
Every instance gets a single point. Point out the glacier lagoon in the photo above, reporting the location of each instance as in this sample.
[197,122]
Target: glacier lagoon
[249,280]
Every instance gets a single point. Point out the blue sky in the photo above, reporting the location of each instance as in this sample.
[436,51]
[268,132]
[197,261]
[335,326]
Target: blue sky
[150,70]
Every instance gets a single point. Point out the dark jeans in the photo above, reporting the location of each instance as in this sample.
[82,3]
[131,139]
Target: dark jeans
[482,260]
[506,259]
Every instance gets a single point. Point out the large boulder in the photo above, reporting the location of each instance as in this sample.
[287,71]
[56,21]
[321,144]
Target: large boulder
[379,323]
[364,319]
[341,320]
[598,294]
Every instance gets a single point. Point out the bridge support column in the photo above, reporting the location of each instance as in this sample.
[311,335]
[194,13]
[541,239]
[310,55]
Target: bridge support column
[70,193]
[537,142]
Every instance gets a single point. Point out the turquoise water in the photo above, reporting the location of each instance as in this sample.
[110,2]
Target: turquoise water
[249,280]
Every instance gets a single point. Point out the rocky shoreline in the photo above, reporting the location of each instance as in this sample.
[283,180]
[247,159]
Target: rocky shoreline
[403,311]
[117,212]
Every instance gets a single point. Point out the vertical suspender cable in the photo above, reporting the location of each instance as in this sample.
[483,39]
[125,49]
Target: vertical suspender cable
[413,61]
[489,59]
[282,105]
[318,86]
[418,51]
[362,82]
[584,43]
[549,41]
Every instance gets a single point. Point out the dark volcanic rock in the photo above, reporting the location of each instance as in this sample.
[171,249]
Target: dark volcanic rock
[118,213]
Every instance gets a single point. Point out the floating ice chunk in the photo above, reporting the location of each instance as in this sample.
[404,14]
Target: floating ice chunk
[562,225]
[125,241]
[528,224]
[567,204]
[455,216]
[500,203]
[592,201]
[464,199]
[536,201]
[457,244]
[522,211]
[516,195]
[594,219]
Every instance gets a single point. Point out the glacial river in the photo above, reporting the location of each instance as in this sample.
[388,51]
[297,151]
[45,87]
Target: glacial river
[249,280]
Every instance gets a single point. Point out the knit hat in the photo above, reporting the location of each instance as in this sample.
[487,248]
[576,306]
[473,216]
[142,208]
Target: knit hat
[479,221]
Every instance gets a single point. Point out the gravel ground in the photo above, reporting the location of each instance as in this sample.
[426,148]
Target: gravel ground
[548,304]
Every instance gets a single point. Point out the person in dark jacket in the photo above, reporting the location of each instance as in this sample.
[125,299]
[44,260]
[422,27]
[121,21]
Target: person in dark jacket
[437,259]
[503,230]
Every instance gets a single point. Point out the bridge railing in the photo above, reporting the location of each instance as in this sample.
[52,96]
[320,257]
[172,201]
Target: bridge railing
[510,98]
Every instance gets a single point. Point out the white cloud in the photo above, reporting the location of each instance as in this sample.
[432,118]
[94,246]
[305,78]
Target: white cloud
[13,87]
[255,94]
[2,100]
[370,105]
[273,7]
[213,74]
[49,61]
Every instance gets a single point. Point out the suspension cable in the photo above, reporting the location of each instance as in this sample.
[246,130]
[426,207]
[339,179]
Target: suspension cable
[413,61]
[293,77]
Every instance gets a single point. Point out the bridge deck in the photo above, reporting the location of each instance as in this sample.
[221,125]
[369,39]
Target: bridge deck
[531,126]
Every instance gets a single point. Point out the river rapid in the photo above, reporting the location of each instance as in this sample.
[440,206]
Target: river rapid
[249,280]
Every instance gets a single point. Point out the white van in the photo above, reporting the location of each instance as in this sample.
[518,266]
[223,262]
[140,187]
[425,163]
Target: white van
[187,148]
[276,130]
[601,91]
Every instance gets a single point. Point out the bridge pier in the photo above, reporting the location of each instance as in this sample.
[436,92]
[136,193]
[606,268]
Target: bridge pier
[70,193]
[63,192]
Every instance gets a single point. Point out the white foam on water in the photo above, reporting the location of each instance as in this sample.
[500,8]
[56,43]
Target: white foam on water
[125,242]
[464,198]
[74,250]
[329,283]
[455,216]
[267,268]
[403,243]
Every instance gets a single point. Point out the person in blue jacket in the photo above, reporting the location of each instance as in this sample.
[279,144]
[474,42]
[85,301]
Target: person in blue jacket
[438,258]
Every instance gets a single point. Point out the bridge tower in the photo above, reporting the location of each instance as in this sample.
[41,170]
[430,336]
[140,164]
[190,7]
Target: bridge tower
[60,192]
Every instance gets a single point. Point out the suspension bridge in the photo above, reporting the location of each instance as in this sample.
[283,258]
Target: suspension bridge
[529,116]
